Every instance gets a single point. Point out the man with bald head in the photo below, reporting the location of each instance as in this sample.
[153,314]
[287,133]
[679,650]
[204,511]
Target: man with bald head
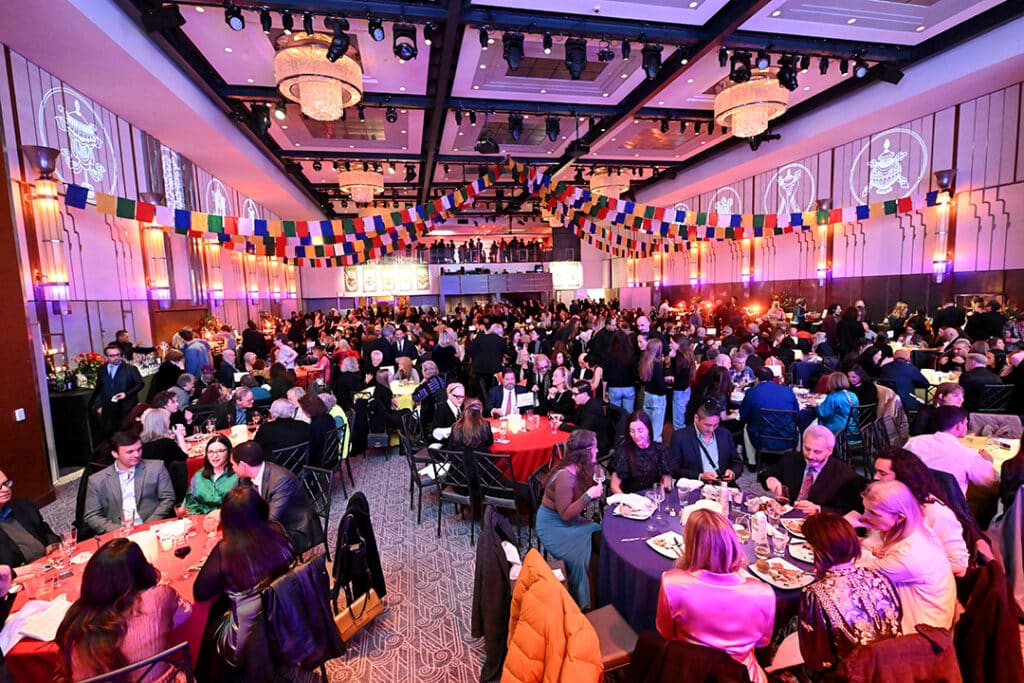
[814,480]
[904,377]
[226,372]
[975,378]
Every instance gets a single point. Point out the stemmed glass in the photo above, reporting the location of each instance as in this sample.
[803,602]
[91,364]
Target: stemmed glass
[55,557]
[659,497]
[600,475]
[69,540]
[181,551]
[652,497]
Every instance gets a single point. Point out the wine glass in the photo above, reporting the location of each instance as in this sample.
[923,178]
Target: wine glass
[659,497]
[56,558]
[127,522]
[652,498]
[181,551]
[69,539]
[742,527]
[600,475]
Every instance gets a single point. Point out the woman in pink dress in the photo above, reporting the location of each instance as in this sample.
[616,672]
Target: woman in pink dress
[707,601]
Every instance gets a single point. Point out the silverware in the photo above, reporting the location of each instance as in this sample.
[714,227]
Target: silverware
[635,538]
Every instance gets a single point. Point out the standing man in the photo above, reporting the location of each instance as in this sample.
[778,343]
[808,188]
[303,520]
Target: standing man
[486,353]
[117,390]
[197,353]
[226,372]
[128,349]
[403,348]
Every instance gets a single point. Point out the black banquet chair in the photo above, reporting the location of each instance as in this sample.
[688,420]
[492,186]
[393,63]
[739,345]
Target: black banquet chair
[176,659]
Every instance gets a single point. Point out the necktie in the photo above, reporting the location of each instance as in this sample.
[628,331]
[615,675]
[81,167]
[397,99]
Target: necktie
[112,370]
[805,486]
[508,402]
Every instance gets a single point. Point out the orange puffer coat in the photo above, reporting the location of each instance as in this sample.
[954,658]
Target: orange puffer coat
[549,639]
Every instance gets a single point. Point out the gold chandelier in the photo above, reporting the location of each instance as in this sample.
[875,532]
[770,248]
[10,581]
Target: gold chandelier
[747,107]
[607,185]
[322,88]
[362,186]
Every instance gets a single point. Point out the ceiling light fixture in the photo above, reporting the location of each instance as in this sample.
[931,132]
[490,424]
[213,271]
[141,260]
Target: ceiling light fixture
[280,112]
[391,167]
[755,141]
[265,20]
[764,60]
[375,28]
[391,115]
[605,54]
[575,57]
[747,107]
[304,74]
[664,125]
[362,186]
[362,112]
[682,126]
[307,23]
[404,42]
[234,18]
[317,165]
[860,68]
[626,49]
[472,118]
[512,49]
[428,34]
[787,73]
[651,60]
[739,70]
[261,118]
[805,63]
[844,66]
[287,22]
[458,117]
[552,127]
[578,178]
[410,173]
[515,126]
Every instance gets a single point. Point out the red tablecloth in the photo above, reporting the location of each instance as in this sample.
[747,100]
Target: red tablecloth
[32,661]
[529,450]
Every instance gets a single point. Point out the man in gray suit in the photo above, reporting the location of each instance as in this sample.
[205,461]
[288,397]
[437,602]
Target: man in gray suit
[289,505]
[131,485]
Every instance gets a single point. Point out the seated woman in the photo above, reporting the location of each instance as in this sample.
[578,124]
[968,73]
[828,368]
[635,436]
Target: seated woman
[212,395]
[639,463]
[348,382]
[406,371]
[281,380]
[321,364]
[559,398]
[839,409]
[253,549]
[123,615]
[946,394]
[214,480]
[706,600]
[937,515]
[320,424]
[909,556]
[159,441]
[471,431]
[568,490]
[848,606]
[861,385]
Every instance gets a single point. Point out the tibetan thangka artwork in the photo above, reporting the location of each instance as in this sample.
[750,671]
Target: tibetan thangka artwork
[68,121]
[725,200]
[889,166]
[793,187]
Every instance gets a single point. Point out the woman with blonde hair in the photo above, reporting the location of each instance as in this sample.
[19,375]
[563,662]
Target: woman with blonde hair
[706,600]
[652,375]
[909,555]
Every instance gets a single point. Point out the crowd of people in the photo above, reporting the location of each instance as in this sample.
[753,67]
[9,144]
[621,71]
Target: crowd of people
[649,396]
[514,250]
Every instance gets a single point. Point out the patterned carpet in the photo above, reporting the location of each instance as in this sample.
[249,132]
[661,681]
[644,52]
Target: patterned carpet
[423,633]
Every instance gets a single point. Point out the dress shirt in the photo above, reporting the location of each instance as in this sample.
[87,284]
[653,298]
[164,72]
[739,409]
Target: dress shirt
[127,480]
[111,370]
[257,481]
[239,415]
[286,355]
[508,401]
[709,449]
[942,451]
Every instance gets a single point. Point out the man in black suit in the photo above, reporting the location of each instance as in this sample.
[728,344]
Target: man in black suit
[24,534]
[283,430]
[128,348]
[449,412]
[816,481]
[226,372]
[703,450]
[950,315]
[974,380]
[502,400]
[990,323]
[403,348]
[237,411]
[538,380]
[905,377]
[117,390]
[253,340]
[589,415]
[486,353]
[284,493]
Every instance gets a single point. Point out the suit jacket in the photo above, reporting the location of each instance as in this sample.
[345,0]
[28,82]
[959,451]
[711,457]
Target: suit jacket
[226,374]
[905,377]
[27,515]
[253,340]
[166,377]
[384,346]
[154,496]
[949,316]
[290,507]
[127,380]
[590,416]
[766,395]
[225,414]
[443,417]
[974,382]
[497,394]
[837,487]
[686,459]
[405,348]
[486,352]
[281,433]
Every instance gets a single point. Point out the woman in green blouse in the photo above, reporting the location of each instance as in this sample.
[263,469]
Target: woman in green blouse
[209,484]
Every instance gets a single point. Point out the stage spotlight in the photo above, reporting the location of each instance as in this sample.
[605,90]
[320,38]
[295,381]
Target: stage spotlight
[404,42]
[823,66]
[515,126]
[682,126]
[280,112]
[391,115]
[739,71]
[860,68]
[472,118]
[265,20]
[307,23]
[787,73]
[723,56]
[362,112]
[375,29]
[484,39]
[605,54]
[512,49]
[764,60]
[340,41]
[844,66]
[651,60]
[552,127]
[410,173]
[626,49]
[664,125]
[317,165]
[234,18]
[575,57]
[805,63]
[261,118]
[548,42]
[428,34]
[458,117]
[287,22]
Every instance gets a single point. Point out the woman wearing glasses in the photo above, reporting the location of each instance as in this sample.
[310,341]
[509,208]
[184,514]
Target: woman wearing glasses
[209,484]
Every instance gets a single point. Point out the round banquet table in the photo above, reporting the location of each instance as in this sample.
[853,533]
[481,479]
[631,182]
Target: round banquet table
[529,449]
[629,571]
[33,660]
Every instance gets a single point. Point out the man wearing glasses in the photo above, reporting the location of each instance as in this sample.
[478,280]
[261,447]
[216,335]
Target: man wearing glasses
[24,534]
[448,413]
[117,390]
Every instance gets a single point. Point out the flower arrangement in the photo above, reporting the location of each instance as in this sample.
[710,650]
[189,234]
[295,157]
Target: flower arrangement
[209,323]
[87,366]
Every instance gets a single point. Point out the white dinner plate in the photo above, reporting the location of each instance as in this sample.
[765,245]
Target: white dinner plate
[800,550]
[782,574]
[623,510]
[794,525]
[669,544]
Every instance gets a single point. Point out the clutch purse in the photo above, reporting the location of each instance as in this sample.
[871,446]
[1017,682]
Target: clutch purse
[358,614]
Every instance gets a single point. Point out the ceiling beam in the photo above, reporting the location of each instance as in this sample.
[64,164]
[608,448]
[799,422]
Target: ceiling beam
[415,11]
[442,83]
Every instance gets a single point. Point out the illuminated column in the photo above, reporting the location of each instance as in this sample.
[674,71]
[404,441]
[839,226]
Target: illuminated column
[942,261]
[746,269]
[52,277]
[824,268]
[695,263]
[154,245]
[214,273]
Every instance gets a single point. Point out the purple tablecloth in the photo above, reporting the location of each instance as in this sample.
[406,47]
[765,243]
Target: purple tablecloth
[629,572]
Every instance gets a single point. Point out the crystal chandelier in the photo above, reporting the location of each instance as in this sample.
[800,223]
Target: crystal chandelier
[747,107]
[362,186]
[607,185]
[322,88]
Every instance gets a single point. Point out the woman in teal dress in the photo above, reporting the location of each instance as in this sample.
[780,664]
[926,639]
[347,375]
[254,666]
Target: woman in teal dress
[565,533]
[216,478]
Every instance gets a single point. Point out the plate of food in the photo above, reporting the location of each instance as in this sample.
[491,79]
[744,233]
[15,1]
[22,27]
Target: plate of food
[794,526]
[781,574]
[633,511]
[196,438]
[669,544]
[800,550]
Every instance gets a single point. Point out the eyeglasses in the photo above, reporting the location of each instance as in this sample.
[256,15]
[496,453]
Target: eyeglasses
[458,396]
[113,355]
[8,484]
[216,450]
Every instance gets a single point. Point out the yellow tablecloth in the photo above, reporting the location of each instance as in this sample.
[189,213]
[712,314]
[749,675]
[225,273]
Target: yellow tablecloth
[1000,449]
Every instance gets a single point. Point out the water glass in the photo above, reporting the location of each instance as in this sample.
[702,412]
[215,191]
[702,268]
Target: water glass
[762,551]
[69,539]
[127,523]
[683,494]
[742,527]
[780,539]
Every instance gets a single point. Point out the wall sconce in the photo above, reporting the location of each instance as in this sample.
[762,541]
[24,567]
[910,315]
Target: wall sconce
[946,180]
[217,294]
[254,296]
[745,278]
[941,264]
[823,273]
[43,162]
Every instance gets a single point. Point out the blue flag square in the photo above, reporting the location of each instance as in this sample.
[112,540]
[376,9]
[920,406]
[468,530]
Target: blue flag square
[76,196]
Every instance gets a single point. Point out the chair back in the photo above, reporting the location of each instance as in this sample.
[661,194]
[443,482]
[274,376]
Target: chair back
[453,469]
[496,475]
[293,458]
[331,456]
[537,481]
[317,481]
[778,425]
[176,659]
[995,398]
[866,414]
[989,424]
[927,655]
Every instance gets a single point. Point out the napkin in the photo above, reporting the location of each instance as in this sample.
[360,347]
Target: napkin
[174,527]
[37,619]
[703,504]
[691,484]
[433,471]
[633,500]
